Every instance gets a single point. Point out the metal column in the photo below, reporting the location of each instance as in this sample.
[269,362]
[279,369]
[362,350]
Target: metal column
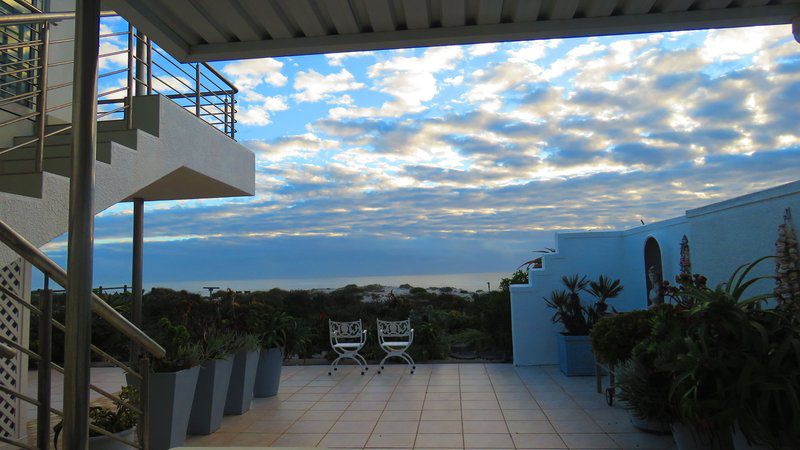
[137,267]
[81,226]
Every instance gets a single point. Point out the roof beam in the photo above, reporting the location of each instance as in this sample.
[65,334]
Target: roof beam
[454,13]
[637,6]
[796,29]
[269,16]
[600,8]
[543,29]
[562,9]
[380,16]
[489,12]
[416,14]
[526,10]
[306,16]
[190,13]
[674,5]
[342,16]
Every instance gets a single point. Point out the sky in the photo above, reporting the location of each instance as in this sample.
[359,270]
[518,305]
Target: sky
[466,159]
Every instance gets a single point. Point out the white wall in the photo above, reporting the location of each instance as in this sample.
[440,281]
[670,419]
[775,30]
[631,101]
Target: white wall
[721,236]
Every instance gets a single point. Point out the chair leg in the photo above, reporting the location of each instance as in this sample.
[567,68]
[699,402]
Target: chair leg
[408,361]
[383,361]
[362,360]
[333,365]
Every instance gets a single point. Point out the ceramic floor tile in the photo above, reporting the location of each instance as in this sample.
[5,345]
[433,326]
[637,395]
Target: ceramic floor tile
[360,415]
[488,441]
[441,414]
[377,440]
[482,414]
[529,426]
[353,427]
[442,404]
[310,426]
[485,426]
[439,441]
[298,440]
[642,440]
[253,440]
[269,426]
[440,427]
[538,441]
[396,427]
[576,426]
[321,415]
[351,440]
[401,415]
[586,441]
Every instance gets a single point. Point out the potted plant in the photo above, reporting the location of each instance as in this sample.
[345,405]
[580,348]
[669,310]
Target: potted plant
[245,348]
[614,337]
[118,420]
[271,326]
[741,369]
[171,386]
[575,356]
[212,383]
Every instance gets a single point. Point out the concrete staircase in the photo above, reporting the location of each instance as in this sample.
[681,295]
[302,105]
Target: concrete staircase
[168,154]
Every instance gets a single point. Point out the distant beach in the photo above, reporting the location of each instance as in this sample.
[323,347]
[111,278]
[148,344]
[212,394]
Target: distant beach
[467,281]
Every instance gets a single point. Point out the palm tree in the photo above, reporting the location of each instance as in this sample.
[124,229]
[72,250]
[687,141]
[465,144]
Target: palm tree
[603,289]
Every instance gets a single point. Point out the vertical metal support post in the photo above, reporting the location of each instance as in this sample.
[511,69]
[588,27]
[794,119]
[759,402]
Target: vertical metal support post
[137,267]
[149,67]
[77,337]
[41,102]
[142,60]
[144,402]
[129,92]
[226,116]
[796,28]
[233,114]
[197,89]
[45,358]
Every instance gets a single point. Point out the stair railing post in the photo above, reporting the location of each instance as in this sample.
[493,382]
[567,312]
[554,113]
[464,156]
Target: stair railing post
[149,67]
[41,102]
[77,336]
[197,89]
[45,358]
[233,114]
[142,63]
[130,90]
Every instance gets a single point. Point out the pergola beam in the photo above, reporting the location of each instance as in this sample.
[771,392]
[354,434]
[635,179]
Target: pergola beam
[796,28]
[473,34]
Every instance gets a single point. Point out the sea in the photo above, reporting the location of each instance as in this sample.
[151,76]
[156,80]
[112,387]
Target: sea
[467,281]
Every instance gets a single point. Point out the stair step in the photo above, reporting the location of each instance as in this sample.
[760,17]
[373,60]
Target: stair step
[124,137]
[102,125]
[27,184]
[56,160]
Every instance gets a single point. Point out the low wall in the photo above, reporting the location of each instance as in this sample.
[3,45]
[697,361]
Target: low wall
[722,236]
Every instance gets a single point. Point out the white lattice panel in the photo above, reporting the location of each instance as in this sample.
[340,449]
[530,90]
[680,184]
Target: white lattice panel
[14,326]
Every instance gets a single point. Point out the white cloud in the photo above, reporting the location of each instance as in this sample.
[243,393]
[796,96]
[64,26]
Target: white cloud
[454,81]
[729,45]
[250,73]
[313,86]
[482,49]
[336,59]
[296,146]
[259,114]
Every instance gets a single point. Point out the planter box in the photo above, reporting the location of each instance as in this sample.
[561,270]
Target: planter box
[210,395]
[170,397]
[243,378]
[268,375]
[575,357]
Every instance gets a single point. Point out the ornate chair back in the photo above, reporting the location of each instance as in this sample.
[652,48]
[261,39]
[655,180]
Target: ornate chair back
[394,329]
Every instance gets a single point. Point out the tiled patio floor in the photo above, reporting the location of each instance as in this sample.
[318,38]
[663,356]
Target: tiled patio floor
[440,406]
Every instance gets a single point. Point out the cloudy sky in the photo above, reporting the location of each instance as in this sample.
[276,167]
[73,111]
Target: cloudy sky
[467,158]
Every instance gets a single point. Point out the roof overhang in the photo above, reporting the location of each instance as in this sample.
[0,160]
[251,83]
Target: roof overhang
[207,30]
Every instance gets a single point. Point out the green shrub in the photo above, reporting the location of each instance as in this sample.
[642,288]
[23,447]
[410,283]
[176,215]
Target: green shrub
[614,337]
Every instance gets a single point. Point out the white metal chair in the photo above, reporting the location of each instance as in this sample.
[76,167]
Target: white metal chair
[347,338]
[395,337]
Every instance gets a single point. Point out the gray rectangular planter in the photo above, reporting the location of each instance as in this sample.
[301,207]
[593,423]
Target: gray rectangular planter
[243,378]
[170,397]
[268,375]
[575,357]
[210,395]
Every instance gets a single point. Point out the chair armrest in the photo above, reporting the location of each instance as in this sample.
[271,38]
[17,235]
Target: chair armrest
[411,337]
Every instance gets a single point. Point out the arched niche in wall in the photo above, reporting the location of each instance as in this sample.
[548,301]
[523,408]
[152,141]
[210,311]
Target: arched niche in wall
[652,269]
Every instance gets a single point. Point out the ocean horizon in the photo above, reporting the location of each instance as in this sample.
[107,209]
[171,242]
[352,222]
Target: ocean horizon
[467,281]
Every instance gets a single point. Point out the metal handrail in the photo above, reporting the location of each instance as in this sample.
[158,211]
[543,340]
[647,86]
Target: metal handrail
[7,352]
[30,253]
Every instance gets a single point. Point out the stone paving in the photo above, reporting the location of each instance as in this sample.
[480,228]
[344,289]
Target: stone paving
[439,406]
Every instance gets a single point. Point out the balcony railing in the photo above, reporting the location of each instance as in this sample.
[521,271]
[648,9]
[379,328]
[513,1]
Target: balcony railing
[130,63]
